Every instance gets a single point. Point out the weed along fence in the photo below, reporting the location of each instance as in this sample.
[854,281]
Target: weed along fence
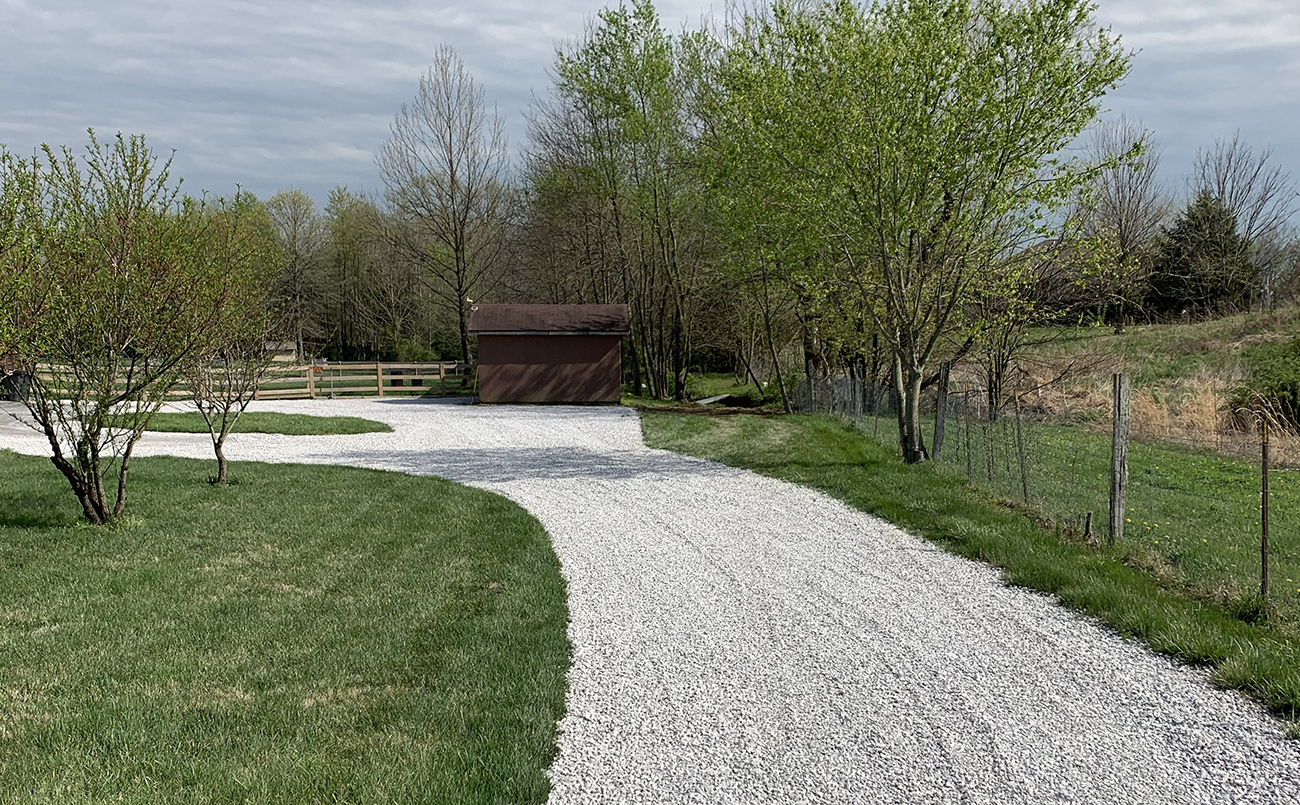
[367,379]
[1215,509]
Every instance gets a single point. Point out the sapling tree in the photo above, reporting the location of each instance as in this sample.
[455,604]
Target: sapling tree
[234,358]
[132,290]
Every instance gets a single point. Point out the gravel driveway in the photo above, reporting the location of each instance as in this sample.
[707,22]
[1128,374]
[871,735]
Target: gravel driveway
[739,639]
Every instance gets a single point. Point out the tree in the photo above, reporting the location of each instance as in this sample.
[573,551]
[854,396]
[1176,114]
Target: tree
[300,289]
[22,291]
[1261,199]
[444,169]
[1203,263]
[615,209]
[1120,212]
[133,290]
[235,356]
[931,134]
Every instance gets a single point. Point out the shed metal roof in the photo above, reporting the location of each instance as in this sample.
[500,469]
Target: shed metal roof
[602,319]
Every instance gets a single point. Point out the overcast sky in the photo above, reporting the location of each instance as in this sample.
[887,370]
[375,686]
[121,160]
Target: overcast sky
[275,95]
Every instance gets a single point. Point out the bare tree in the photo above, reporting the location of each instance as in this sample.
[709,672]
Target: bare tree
[444,172]
[301,236]
[1261,197]
[1121,212]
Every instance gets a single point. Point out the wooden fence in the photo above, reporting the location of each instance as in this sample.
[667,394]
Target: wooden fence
[366,379]
[352,379]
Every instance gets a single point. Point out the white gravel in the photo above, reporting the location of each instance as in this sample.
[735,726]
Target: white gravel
[742,640]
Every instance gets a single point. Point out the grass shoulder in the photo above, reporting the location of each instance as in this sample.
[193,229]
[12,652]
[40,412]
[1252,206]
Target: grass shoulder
[314,634]
[272,422]
[936,503]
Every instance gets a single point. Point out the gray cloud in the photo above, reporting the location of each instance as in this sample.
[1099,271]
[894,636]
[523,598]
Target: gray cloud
[299,94]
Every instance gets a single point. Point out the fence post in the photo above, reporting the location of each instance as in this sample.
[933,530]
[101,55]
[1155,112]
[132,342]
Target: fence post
[311,382]
[442,376]
[940,410]
[965,416]
[1263,519]
[1020,448]
[379,378]
[1122,388]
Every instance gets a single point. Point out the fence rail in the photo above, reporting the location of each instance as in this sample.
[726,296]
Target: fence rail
[345,379]
[365,378]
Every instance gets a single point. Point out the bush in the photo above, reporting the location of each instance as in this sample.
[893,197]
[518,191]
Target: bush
[1274,381]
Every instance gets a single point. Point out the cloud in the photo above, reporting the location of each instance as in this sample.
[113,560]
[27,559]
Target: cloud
[1205,70]
[299,93]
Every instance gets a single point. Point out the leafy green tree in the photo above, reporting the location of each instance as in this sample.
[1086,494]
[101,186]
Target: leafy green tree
[1203,264]
[133,289]
[24,284]
[925,141]
[616,145]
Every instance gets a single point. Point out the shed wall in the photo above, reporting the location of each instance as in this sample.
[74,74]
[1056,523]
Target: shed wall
[550,368]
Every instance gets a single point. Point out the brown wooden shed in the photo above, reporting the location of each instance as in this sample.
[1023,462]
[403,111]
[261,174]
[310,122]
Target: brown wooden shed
[549,353]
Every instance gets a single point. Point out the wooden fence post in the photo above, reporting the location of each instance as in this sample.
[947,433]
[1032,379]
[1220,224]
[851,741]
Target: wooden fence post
[379,377]
[311,382]
[940,410]
[1122,388]
[442,376]
[1263,519]
[1020,448]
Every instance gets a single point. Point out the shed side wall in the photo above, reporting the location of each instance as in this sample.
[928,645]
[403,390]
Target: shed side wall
[550,368]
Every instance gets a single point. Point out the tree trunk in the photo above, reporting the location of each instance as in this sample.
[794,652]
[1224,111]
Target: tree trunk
[120,505]
[635,357]
[219,447]
[680,362]
[462,317]
[908,385]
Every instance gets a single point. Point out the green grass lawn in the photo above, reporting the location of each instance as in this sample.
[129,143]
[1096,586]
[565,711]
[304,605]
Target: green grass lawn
[702,386]
[1119,584]
[270,422]
[311,635]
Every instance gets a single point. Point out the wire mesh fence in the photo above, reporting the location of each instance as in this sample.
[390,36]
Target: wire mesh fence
[1194,507]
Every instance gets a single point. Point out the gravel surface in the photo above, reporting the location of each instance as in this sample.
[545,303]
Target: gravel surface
[743,640]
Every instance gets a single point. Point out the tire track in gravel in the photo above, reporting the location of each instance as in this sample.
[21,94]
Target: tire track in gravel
[741,639]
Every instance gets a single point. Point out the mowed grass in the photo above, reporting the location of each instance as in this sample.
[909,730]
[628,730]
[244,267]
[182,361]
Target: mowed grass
[1114,584]
[271,422]
[311,635]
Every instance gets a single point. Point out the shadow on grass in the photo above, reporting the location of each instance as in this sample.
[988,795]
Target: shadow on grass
[37,511]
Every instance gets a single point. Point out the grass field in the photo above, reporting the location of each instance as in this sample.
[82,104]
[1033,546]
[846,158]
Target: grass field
[271,422]
[312,635]
[1119,584]
[1157,354]
[1193,514]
